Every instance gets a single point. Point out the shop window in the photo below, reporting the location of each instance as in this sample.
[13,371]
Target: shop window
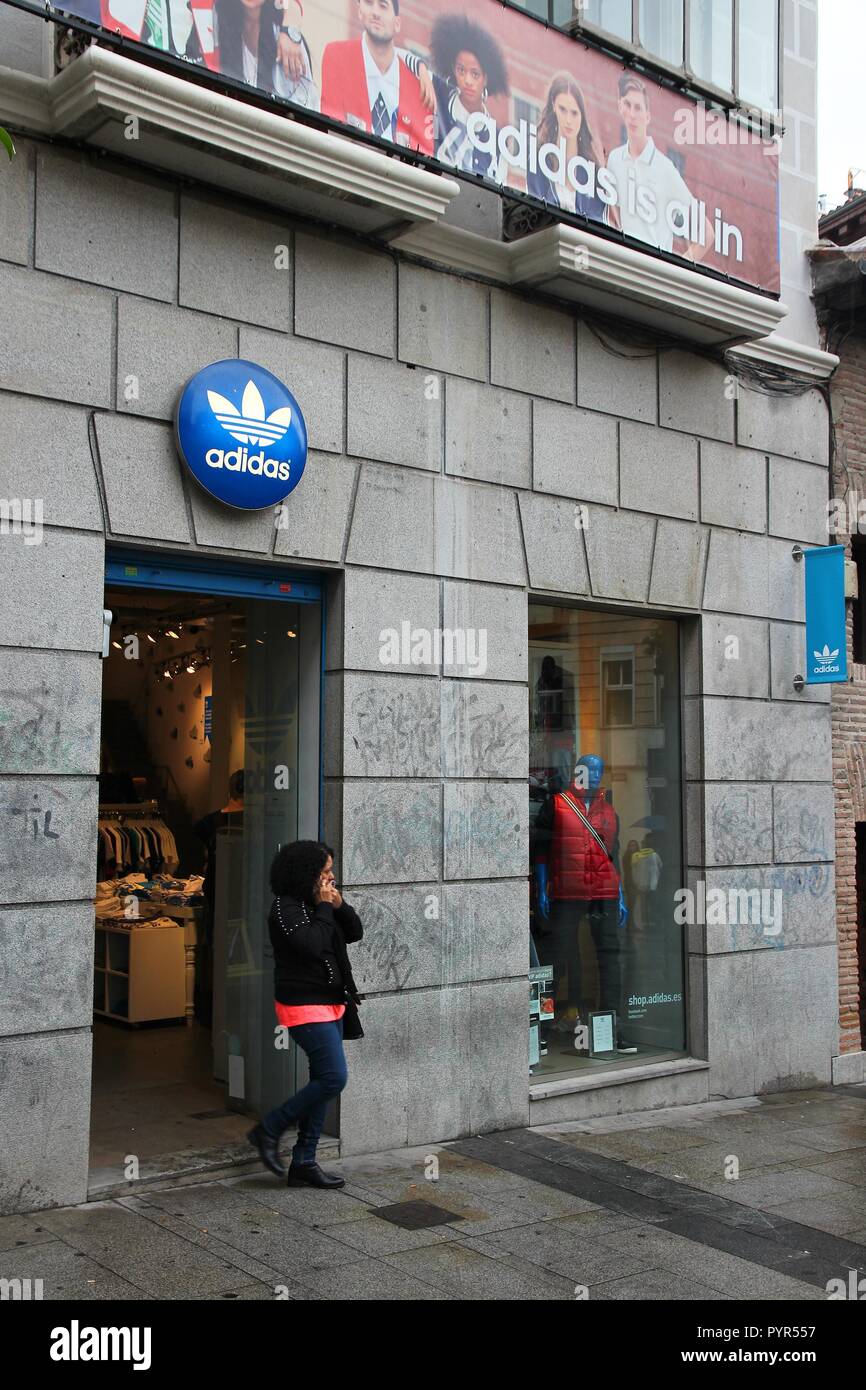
[606,950]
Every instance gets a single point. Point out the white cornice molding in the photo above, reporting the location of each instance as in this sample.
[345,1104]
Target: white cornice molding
[793,356]
[580,266]
[601,264]
[24,101]
[102,86]
[460,251]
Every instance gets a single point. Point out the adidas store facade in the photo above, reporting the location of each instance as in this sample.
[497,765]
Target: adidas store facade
[473,557]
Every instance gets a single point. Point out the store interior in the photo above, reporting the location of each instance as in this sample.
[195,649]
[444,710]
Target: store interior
[176,976]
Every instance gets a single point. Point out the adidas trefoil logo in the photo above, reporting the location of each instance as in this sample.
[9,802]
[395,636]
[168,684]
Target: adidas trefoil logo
[249,425]
[826,655]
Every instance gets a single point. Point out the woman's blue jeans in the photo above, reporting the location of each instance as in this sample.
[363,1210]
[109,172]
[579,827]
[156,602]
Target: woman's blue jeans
[323,1044]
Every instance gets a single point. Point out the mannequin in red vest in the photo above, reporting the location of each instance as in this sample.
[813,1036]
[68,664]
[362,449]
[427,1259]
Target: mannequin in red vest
[577,873]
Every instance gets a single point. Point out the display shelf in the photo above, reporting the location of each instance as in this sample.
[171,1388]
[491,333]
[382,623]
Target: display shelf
[143,974]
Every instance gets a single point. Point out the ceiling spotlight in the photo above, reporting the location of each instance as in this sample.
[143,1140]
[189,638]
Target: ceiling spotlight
[170,632]
[167,673]
[149,638]
[118,646]
[291,634]
[260,641]
[190,670]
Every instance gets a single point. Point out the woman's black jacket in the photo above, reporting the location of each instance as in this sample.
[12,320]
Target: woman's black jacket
[311,960]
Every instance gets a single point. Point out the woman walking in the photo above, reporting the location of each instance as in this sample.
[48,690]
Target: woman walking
[315,997]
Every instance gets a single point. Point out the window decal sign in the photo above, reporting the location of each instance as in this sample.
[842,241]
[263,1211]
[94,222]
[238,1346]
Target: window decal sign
[241,434]
[490,92]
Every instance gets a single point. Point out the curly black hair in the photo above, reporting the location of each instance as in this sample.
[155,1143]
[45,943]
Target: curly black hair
[296,868]
[453,34]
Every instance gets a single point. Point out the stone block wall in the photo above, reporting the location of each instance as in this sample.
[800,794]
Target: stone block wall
[458,434]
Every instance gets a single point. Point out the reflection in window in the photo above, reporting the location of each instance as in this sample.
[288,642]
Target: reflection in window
[612,15]
[605,837]
[661,29]
[617,688]
[711,41]
[758,55]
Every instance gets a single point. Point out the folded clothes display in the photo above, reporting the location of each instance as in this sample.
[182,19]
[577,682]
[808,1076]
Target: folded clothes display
[114,896]
[107,909]
[162,888]
[133,923]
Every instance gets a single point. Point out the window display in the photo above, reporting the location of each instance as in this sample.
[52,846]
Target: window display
[605,836]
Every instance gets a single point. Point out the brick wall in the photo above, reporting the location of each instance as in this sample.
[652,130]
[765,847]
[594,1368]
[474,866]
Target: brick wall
[848,391]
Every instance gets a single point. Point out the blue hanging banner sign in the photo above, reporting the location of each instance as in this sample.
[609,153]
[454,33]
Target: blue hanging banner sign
[826,653]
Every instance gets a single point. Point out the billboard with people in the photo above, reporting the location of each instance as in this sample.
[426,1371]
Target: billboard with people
[491,92]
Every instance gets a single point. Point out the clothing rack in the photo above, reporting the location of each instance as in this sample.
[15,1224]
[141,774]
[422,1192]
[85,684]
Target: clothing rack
[133,837]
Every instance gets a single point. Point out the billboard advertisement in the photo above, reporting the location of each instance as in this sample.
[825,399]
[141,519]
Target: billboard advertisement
[488,91]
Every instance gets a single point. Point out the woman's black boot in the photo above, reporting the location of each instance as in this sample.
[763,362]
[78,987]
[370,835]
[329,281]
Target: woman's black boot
[269,1149]
[310,1174]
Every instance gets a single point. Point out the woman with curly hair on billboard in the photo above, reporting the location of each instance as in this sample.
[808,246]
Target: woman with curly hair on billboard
[469,67]
[574,186]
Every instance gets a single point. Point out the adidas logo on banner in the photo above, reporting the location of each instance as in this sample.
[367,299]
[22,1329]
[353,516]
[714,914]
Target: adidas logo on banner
[825,659]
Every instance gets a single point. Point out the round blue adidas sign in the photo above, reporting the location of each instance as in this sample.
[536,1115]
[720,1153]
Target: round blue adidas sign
[241,434]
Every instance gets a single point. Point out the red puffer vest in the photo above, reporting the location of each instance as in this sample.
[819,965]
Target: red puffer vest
[579,867]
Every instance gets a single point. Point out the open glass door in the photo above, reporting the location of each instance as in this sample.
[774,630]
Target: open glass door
[272,670]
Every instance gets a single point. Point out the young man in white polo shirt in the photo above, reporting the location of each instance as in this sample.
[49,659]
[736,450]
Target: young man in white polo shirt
[648,182]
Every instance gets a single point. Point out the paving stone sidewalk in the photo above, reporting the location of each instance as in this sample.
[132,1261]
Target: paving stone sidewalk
[628,1207]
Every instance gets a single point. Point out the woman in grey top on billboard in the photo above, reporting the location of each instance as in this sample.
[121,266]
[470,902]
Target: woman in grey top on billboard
[246,33]
[565,118]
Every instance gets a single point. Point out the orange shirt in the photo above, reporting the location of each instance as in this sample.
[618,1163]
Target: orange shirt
[290,1015]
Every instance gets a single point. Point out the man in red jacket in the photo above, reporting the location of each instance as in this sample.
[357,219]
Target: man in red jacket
[366,85]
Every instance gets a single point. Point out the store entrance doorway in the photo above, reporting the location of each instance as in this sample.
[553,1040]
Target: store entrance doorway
[209,761]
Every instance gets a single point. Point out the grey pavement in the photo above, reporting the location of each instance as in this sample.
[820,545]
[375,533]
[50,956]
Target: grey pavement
[749,1199]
